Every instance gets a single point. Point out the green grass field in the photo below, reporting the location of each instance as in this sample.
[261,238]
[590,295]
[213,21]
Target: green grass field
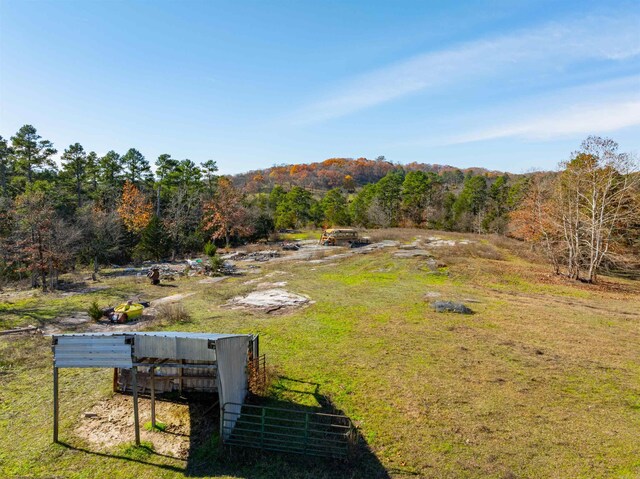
[542,381]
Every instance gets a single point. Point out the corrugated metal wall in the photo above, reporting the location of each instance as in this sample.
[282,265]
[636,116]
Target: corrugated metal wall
[92,352]
[174,347]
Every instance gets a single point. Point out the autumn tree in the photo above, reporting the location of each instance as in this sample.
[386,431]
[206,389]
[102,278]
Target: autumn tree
[135,210]
[597,197]
[225,215]
[535,219]
[43,243]
[349,184]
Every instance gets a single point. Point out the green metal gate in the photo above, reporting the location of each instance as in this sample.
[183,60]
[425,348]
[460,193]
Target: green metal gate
[287,430]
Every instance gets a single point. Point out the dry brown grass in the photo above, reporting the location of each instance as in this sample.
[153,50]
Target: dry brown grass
[171,313]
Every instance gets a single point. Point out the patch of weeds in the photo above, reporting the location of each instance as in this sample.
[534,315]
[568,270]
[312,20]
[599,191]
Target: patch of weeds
[357,279]
[160,426]
[94,311]
[630,471]
[633,402]
[139,453]
[208,450]
[445,447]
[173,313]
[302,235]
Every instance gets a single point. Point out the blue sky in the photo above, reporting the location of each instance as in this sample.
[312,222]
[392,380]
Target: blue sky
[508,85]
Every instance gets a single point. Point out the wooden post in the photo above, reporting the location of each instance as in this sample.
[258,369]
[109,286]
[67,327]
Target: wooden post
[115,380]
[55,404]
[153,398]
[180,373]
[136,419]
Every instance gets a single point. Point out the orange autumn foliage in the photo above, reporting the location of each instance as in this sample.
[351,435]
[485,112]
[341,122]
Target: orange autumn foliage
[134,209]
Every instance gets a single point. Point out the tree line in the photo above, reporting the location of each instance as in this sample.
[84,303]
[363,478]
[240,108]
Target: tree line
[97,210]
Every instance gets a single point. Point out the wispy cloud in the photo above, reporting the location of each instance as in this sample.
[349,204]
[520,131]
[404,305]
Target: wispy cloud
[539,50]
[582,119]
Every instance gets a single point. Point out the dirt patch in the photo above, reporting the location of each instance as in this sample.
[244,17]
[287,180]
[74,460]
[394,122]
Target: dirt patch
[109,424]
[270,300]
[216,279]
[171,299]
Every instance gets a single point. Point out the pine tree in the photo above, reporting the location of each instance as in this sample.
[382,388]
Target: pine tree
[154,243]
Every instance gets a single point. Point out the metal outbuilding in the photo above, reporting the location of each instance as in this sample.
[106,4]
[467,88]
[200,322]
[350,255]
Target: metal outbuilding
[158,361]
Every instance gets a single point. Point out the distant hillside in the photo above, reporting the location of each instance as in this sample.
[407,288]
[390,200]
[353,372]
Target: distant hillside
[340,172]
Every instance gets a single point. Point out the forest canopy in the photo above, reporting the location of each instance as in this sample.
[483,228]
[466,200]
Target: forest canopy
[98,210]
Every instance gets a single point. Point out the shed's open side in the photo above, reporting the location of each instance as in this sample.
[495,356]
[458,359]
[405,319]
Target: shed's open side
[218,363]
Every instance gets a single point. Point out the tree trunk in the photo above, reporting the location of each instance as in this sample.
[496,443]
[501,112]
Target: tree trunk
[96,267]
[79,193]
[3,178]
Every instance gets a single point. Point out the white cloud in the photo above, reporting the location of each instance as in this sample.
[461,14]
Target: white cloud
[540,50]
[583,119]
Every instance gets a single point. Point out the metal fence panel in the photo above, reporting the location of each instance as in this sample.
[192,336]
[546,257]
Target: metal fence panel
[288,430]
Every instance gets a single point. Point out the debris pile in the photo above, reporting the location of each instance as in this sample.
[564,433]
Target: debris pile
[264,255]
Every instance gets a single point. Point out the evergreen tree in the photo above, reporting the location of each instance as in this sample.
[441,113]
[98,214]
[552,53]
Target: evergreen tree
[5,166]
[470,204]
[136,167]
[74,166]
[388,199]
[335,208]
[32,153]
[359,207]
[153,241]
[210,168]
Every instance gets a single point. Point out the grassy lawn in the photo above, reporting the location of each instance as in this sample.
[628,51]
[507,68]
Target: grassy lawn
[542,381]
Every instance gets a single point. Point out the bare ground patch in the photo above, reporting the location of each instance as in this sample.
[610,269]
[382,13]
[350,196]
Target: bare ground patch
[109,424]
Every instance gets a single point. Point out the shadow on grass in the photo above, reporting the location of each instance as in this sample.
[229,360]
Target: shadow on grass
[206,458]
[127,458]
